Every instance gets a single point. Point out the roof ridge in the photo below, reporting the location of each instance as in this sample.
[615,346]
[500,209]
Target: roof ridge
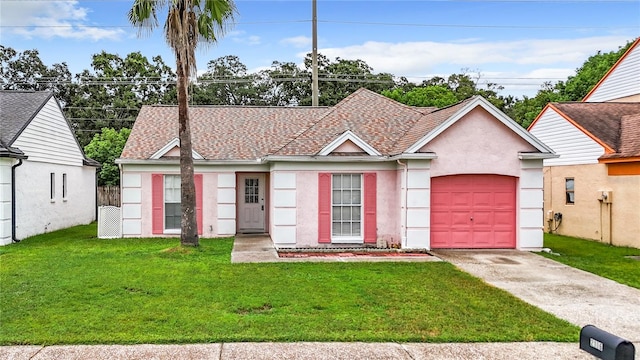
[295,136]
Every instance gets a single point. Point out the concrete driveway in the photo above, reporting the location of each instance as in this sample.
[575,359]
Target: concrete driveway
[577,296]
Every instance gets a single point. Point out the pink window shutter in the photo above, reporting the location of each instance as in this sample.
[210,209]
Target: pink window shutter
[370,198]
[157,203]
[197,178]
[324,208]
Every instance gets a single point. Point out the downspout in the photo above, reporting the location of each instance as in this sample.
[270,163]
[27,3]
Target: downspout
[96,197]
[404,196]
[13,201]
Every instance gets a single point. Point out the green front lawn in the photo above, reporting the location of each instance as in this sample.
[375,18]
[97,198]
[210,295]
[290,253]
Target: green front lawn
[595,257]
[68,287]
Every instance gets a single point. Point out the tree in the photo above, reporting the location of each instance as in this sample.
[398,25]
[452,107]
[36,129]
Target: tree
[105,148]
[226,82]
[340,78]
[441,92]
[431,95]
[112,92]
[26,71]
[188,23]
[574,89]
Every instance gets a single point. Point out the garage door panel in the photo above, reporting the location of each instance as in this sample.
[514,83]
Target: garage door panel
[503,239]
[440,198]
[440,239]
[460,199]
[440,218]
[459,218]
[482,199]
[489,199]
[482,218]
[459,239]
[504,199]
[504,218]
[482,238]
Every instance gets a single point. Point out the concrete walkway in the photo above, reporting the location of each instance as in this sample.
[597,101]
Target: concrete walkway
[260,249]
[302,350]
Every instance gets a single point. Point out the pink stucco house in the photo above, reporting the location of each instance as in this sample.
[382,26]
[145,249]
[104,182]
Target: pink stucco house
[368,171]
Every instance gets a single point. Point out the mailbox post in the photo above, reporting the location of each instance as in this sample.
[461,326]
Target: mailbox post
[604,345]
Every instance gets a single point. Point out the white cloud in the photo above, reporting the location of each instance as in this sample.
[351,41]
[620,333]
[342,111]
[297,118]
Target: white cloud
[297,41]
[529,62]
[51,19]
[240,37]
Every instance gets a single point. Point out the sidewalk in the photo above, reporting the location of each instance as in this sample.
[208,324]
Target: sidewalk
[302,350]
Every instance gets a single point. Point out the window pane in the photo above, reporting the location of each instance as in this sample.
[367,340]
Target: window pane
[569,184]
[346,197]
[355,213]
[355,197]
[346,181]
[336,197]
[355,229]
[335,213]
[172,216]
[355,182]
[336,229]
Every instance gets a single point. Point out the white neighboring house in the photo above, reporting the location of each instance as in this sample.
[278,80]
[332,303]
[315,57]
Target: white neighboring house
[46,182]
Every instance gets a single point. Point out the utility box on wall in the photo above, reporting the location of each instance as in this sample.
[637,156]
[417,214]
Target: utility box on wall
[606,196]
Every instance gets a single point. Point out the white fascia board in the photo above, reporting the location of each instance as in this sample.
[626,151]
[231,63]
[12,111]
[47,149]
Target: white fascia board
[170,145]
[349,135]
[342,159]
[415,156]
[196,162]
[491,109]
[537,156]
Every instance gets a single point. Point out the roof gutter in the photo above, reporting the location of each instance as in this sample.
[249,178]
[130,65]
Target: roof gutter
[195,162]
[537,156]
[13,201]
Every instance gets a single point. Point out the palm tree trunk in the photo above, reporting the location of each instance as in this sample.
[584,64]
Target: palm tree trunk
[188,224]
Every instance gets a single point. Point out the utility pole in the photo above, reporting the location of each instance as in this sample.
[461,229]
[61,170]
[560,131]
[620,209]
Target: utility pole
[314,56]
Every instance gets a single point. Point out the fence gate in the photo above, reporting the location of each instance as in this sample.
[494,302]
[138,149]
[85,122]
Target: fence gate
[109,222]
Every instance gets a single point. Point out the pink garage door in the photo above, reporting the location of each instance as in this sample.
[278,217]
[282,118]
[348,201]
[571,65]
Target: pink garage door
[473,211]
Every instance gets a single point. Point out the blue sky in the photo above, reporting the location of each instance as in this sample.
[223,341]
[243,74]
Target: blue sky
[519,44]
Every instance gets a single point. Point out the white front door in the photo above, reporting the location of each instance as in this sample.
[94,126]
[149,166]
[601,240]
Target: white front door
[251,205]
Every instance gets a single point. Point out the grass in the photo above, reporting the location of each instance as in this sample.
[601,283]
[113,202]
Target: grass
[595,257]
[68,287]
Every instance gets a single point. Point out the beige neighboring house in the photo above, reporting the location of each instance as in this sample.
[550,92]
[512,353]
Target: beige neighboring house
[595,182]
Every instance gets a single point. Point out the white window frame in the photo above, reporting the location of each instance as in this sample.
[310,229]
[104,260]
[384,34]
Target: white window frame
[52,190]
[359,239]
[65,188]
[165,202]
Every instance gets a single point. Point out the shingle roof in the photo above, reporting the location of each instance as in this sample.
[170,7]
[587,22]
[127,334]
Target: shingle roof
[249,133]
[17,108]
[377,120]
[605,122]
[220,132]
[629,138]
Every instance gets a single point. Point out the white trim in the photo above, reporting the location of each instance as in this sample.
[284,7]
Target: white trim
[536,156]
[491,109]
[306,158]
[414,156]
[175,142]
[349,136]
